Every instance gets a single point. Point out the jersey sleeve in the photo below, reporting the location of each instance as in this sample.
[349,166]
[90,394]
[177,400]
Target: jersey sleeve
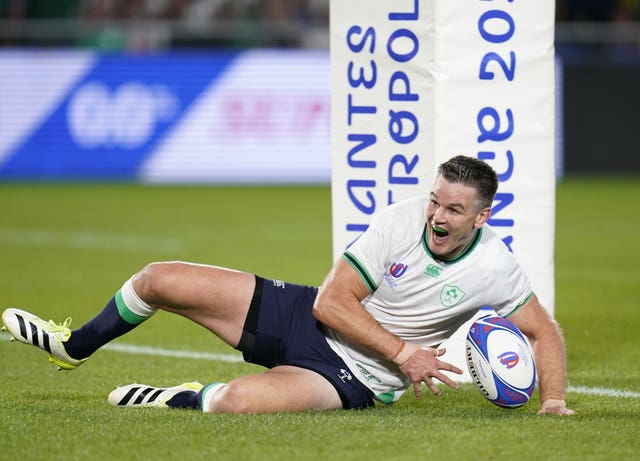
[515,289]
[368,254]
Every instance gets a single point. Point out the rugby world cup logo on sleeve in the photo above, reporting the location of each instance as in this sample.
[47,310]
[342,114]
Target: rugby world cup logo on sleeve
[397,270]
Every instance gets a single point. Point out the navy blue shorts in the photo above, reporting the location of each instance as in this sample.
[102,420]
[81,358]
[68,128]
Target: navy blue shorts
[281,330]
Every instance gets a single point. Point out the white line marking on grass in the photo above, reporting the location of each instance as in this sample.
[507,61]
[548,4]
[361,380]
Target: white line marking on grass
[158,351]
[161,352]
[89,240]
[603,392]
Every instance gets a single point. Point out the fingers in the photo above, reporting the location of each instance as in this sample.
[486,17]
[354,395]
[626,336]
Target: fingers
[432,387]
[425,367]
[429,381]
[448,367]
[555,407]
[443,365]
[417,389]
[446,380]
[556,411]
[433,373]
[434,351]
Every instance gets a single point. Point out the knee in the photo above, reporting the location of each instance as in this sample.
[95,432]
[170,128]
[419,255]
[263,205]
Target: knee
[152,279]
[234,397]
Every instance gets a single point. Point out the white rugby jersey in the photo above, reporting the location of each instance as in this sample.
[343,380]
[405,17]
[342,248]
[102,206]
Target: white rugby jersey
[418,297]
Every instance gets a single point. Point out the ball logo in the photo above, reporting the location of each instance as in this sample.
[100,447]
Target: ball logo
[509,359]
[397,270]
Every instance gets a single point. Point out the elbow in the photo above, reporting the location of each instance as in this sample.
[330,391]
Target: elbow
[320,310]
[325,310]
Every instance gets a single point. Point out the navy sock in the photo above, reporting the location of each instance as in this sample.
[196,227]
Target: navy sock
[186,399]
[97,332]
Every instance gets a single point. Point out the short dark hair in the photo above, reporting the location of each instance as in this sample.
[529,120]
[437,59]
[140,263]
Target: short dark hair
[474,173]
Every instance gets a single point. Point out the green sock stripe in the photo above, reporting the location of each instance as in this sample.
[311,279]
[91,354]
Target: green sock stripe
[125,313]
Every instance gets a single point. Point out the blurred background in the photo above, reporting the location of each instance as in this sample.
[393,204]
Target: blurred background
[237,76]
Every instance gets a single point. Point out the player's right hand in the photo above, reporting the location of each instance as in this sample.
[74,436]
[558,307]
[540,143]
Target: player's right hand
[423,366]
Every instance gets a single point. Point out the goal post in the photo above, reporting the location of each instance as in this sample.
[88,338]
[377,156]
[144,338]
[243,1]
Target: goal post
[415,82]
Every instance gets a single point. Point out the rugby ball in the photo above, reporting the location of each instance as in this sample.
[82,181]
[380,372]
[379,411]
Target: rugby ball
[500,361]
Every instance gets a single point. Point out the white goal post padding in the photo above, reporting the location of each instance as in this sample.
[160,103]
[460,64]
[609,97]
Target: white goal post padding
[416,82]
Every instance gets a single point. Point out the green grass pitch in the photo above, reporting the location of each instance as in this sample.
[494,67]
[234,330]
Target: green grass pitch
[65,250]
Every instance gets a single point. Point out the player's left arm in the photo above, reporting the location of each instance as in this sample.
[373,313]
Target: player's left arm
[547,341]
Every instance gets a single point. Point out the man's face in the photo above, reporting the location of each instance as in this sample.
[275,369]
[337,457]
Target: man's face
[452,217]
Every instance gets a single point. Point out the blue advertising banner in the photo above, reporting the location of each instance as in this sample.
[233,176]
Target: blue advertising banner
[257,116]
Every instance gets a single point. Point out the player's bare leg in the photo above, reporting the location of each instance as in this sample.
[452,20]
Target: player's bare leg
[214,297]
[280,389]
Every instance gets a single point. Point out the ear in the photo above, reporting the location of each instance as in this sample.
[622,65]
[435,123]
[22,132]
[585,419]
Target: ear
[482,217]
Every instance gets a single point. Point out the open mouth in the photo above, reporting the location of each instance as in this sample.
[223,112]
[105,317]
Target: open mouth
[439,231]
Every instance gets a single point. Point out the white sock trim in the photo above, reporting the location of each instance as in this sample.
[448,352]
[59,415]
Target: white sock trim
[208,393]
[133,301]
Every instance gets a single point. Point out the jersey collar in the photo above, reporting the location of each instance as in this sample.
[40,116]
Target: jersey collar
[463,254]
